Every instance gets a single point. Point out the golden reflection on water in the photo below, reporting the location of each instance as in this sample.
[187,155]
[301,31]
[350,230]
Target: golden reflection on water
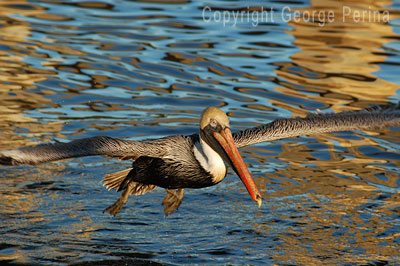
[339,59]
[16,76]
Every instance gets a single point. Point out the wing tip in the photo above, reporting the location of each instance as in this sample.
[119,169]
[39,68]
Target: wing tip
[10,157]
[6,160]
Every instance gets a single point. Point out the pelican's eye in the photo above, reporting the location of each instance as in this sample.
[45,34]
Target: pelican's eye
[213,123]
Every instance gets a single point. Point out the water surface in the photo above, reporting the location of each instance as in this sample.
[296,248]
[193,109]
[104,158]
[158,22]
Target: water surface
[138,70]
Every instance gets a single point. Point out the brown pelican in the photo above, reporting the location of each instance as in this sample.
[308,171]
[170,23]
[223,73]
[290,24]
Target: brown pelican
[195,161]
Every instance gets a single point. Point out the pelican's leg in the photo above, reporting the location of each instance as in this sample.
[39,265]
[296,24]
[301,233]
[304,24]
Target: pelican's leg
[117,206]
[173,200]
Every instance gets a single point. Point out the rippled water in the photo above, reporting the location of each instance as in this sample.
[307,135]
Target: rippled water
[137,70]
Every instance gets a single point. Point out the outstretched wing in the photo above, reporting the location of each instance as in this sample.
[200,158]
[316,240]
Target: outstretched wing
[367,119]
[81,147]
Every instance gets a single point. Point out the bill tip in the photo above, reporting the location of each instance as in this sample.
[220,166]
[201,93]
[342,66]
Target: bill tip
[259,201]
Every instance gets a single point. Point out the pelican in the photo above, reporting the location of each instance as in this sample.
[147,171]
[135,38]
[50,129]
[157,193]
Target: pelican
[195,161]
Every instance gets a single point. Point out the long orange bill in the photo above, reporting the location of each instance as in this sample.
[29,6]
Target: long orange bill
[225,139]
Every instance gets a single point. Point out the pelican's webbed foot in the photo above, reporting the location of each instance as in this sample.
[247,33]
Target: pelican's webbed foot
[172,201]
[117,206]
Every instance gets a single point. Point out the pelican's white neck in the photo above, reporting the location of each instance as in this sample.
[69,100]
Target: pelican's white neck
[210,160]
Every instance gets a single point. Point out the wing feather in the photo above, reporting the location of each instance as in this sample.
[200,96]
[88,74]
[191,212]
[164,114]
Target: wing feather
[100,145]
[367,119]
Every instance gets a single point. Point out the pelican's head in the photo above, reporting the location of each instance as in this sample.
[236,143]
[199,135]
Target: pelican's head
[213,116]
[215,131]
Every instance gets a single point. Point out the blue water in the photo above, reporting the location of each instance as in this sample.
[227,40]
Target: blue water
[139,70]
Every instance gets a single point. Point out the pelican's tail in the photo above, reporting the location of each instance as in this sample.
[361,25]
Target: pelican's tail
[115,180]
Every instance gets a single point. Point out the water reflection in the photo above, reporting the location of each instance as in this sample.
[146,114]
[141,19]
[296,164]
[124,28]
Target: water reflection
[146,69]
[340,59]
[336,66]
